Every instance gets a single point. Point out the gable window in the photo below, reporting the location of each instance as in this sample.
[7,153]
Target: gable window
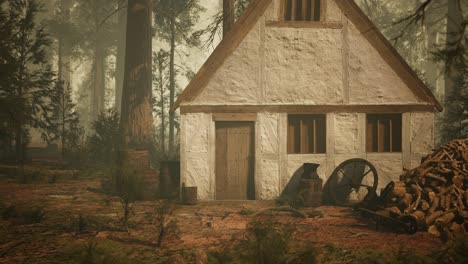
[306,134]
[302,10]
[383,133]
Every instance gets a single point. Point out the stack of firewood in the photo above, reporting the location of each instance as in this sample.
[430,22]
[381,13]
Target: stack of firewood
[435,194]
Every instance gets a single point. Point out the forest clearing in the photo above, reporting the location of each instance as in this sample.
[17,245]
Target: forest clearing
[233,131]
[78,223]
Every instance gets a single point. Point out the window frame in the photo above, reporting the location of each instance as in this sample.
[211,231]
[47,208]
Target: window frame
[316,124]
[322,18]
[373,135]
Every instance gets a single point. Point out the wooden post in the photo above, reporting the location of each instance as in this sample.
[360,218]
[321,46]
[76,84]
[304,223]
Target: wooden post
[228,16]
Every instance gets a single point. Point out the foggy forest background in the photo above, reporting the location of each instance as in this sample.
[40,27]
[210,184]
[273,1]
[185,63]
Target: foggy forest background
[62,66]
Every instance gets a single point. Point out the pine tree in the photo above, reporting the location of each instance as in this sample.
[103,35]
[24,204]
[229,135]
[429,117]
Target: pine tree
[160,82]
[64,124]
[27,87]
[216,29]
[174,22]
[456,119]
[98,37]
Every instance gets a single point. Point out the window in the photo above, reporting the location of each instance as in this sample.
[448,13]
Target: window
[306,134]
[302,10]
[383,133]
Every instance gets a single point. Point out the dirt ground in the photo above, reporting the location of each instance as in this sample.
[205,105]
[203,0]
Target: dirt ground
[199,229]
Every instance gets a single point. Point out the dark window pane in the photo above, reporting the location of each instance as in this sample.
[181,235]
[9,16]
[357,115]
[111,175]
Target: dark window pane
[298,10]
[317,10]
[287,9]
[396,132]
[306,134]
[383,133]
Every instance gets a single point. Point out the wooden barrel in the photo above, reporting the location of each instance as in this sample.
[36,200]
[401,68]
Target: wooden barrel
[189,195]
[311,191]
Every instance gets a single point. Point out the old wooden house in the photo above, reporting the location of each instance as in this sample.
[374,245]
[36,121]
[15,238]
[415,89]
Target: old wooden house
[300,81]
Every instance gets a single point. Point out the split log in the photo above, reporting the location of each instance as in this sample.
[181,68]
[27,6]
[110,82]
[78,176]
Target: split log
[435,192]
[432,217]
[445,219]
[424,205]
[434,205]
[435,177]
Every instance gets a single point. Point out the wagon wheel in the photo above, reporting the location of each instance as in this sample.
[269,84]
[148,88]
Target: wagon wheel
[347,180]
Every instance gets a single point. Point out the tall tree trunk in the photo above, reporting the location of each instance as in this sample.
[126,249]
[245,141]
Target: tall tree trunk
[64,60]
[454,24]
[63,120]
[163,117]
[228,16]
[99,68]
[120,57]
[136,115]
[172,86]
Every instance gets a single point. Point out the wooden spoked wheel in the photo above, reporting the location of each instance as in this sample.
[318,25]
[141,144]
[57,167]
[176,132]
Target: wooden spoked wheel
[350,182]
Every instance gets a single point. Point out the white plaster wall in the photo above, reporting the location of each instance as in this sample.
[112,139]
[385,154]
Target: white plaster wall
[346,133]
[422,133]
[421,136]
[237,81]
[303,66]
[333,12]
[267,156]
[371,79]
[195,156]
[270,181]
[273,11]
[389,167]
[269,139]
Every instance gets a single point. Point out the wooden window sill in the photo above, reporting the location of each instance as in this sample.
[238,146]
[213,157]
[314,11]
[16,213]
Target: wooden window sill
[304,24]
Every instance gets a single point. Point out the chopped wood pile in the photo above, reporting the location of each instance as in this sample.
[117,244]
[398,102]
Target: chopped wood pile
[435,194]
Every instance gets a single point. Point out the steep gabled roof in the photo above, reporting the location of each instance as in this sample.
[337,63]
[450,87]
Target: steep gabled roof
[352,11]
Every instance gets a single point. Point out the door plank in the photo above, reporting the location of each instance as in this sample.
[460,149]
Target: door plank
[234,166]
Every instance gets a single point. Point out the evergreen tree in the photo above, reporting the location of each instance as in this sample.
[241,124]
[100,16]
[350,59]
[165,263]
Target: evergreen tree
[456,119]
[160,82]
[27,87]
[98,38]
[64,124]
[174,22]
[215,29]
[103,144]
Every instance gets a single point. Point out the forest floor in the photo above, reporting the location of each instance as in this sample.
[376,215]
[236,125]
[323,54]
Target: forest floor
[78,224]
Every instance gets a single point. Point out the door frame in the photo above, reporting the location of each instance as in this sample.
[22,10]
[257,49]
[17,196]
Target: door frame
[235,117]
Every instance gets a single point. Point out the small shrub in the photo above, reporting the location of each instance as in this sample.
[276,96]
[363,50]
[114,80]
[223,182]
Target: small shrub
[246,211]
[454,251]
[129,188]
[82,224]
[92,253]
[221,257]
[27,177]
[295,201]
[52,178]
[162,220]
[308,255]
[23,216]
[267,242]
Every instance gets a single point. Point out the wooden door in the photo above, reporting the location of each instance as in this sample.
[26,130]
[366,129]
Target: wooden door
[235,161]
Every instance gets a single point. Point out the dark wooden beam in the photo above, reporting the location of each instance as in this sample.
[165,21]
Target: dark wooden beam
[305,109]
